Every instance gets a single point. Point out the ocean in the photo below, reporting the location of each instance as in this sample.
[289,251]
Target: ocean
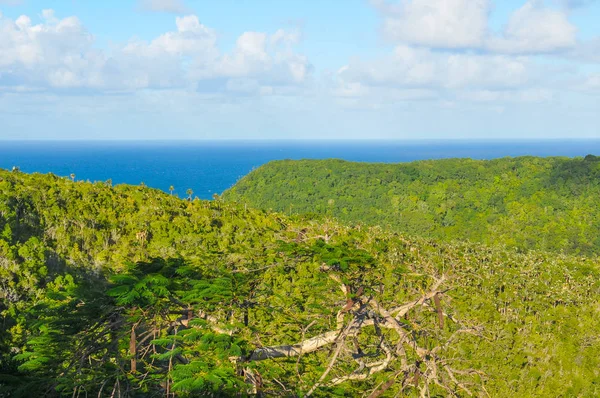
[209,167]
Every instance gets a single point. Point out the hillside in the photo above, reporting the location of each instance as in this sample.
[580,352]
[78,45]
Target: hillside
[549,204]
[125,291]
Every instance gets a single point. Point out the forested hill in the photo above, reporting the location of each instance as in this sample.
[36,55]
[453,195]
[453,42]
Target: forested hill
[126,291]
[527,202]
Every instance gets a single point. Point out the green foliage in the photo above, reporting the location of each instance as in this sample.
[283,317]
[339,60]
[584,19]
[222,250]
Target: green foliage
[527,202]
[127,291]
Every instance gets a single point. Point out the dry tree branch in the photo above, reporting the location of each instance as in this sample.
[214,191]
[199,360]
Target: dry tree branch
[303,347]
[373,368]
[407,356]
[340,341]
[399,312]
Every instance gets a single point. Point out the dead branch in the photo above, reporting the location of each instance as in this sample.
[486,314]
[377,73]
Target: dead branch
[399,312]
[304,347]
[400,349]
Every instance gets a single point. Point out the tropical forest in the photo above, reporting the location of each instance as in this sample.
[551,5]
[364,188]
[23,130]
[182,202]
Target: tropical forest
[322,278]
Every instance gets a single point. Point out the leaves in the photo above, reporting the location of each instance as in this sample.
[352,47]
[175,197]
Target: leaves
[526,202]
[86,300]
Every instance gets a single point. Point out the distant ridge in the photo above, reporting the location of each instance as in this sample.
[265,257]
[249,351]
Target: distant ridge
[524,202]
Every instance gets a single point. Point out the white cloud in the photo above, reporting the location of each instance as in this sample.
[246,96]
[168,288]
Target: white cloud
[54,52]
[446,69]
[440,57]
[60,53]
[256,53]
[411,67]
[168,6]
[166,61]
[436,23]
[534,28]
[463,24]
[191,38]
[440,77]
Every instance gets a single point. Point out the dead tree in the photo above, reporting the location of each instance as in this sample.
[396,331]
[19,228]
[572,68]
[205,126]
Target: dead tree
[397,344]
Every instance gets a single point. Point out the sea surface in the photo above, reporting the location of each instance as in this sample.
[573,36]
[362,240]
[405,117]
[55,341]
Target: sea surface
[212,167]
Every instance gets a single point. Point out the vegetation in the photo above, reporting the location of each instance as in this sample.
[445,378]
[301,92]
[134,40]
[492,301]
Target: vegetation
[549,204]
[127,292]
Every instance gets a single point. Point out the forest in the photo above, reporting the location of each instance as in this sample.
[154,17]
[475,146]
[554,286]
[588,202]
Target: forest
[127,291]
[548,204]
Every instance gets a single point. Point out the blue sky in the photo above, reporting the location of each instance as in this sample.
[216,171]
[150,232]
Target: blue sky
[235,69]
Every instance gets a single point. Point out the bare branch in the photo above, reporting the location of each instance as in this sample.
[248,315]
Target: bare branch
[306,346]
[399,312]
[458,384]
[352,325]
[309,345]
[407,357]
[373,368]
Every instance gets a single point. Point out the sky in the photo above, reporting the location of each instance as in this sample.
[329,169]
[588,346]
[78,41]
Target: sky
[299,69]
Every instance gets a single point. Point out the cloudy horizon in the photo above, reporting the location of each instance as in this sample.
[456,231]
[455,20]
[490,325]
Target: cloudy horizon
[408,69]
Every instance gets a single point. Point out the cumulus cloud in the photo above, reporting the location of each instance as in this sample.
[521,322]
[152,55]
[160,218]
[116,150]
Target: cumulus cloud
[53,52]
[442,77]
[411,67]
[168,6]
[257,52]
[436,23]
[534,28]
[444,53]
[60,54]
[165,62]
[56,54]
[463,24]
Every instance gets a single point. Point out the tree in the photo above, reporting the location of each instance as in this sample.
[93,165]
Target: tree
[370,339]
[189,193]
[513,201]
[127,292]
[171,189]
[72,176]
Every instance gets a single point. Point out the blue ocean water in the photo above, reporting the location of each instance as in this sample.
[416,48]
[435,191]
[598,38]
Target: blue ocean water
[212,167]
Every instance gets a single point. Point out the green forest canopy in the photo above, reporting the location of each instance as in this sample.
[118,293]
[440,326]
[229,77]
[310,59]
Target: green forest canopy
[527,202]
[127,291]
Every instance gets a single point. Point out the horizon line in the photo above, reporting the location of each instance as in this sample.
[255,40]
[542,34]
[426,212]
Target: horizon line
[229,140]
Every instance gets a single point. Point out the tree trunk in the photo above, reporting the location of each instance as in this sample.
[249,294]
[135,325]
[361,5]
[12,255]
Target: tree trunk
[133,350]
